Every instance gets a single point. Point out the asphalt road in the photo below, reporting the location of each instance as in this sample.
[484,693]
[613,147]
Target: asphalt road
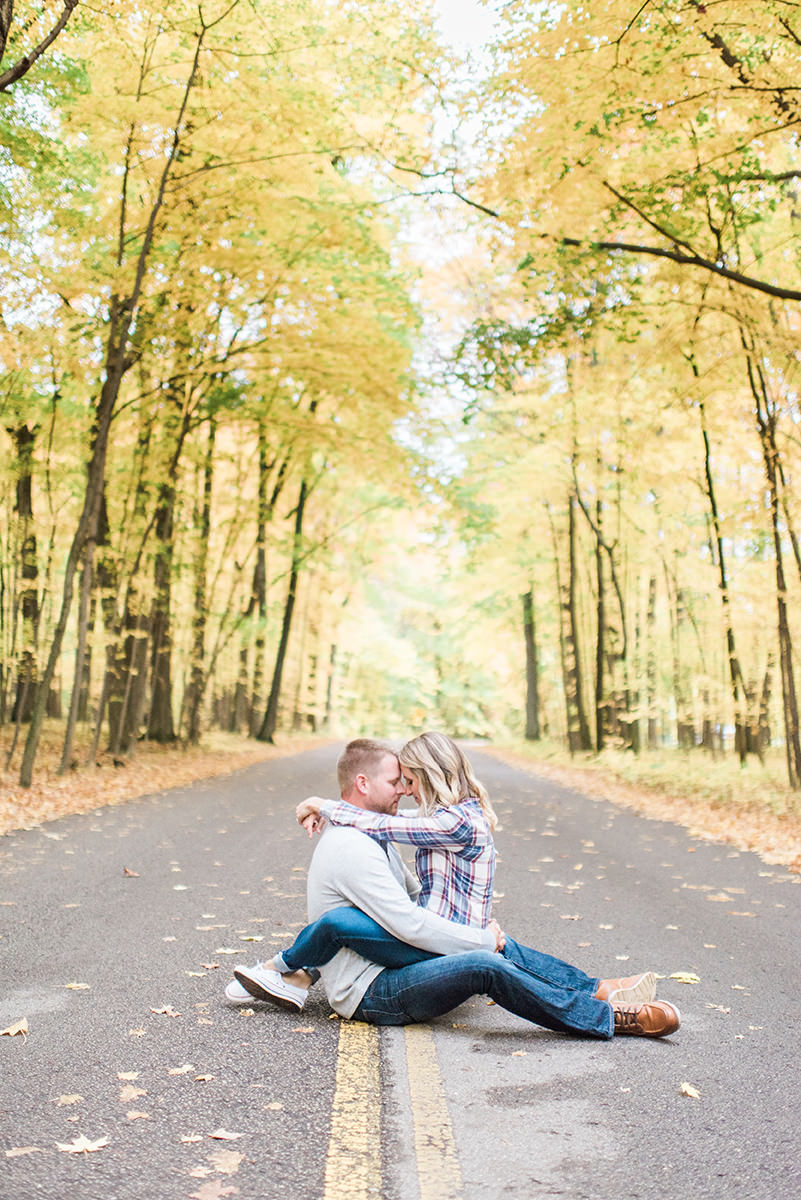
[137,903]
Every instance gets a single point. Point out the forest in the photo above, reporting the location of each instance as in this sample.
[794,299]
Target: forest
[354,381]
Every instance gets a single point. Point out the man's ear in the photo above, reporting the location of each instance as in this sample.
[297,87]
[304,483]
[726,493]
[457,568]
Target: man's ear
[361,784]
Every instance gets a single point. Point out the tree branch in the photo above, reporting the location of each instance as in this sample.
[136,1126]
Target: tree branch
[13,74]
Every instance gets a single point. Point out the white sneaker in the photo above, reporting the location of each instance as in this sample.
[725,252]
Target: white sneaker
[237,994]
[263,984]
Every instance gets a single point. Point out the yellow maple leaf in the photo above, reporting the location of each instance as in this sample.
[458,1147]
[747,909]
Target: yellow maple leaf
[687,1089]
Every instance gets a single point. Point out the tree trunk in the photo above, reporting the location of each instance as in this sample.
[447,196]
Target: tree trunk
[532,668]
[268,727]
[22,709]
[735,674]
[197,681]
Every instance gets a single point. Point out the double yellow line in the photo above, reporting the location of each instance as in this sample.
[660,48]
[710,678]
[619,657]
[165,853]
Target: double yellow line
[353,1166]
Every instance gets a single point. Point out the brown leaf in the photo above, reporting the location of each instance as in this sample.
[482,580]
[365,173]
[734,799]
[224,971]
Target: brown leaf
[82,1145]
[192,1137]
[63,1101]
[127,1075]
[687,1089]
[203,1078]
[274,1105]
[77,987]
[304,1029]
[133,1115]
[129,1093]
[167,1011]
[132,874]
[18,1027]
[222,1135]
[184,1070]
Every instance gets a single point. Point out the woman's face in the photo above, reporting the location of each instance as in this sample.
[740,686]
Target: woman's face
[412,784]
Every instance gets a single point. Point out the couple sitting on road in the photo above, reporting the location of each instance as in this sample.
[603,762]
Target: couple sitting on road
[393,949]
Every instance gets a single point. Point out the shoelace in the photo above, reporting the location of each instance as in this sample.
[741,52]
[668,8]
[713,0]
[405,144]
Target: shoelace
[625,1017]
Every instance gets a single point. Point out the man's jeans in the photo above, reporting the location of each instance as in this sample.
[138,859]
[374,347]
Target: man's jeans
[532,985]
[319,942]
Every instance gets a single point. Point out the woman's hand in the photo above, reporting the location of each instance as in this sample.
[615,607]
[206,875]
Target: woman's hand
[500,936]
[308,815]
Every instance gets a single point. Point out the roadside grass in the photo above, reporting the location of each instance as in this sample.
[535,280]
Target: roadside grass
[150,768]
[750,807]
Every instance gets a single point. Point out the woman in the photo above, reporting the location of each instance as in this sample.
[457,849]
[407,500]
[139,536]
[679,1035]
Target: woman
[455,862]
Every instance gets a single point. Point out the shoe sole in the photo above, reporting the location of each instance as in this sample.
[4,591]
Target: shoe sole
[261,993]
[642,991]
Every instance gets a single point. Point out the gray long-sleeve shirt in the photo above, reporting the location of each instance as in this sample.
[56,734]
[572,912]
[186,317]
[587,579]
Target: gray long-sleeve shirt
[348,867]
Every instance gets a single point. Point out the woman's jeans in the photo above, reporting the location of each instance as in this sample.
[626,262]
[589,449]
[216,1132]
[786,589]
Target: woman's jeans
[347,927]
[532,985]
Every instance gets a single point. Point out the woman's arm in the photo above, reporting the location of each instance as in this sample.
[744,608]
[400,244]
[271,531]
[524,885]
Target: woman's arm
[449,828]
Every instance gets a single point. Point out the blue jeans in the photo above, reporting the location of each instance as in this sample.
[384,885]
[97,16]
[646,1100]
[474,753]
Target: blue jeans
[532,985]
[319,942]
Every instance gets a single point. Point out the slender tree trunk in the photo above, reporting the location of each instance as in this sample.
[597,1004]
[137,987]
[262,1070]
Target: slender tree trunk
[80,656]
[197,683]
[532,668]
[268,727]
[22,709]
[735,674]
[582,739]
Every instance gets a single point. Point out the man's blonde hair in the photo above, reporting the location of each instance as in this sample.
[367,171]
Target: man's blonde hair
[363,756]
[445,774]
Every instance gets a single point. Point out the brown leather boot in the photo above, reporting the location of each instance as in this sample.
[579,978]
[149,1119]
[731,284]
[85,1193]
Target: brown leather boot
[654,1019]
[632,989]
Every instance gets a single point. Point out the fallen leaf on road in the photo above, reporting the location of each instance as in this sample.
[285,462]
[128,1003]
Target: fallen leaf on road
[18,1150]
[687,1089]
[127,1075]
[685,977]
[184,1070]
[274,1106]
[77,987]
[196,974]
[82,1145]
[251,937]
[222,1135]
[210,966]
[129,1093]
[213,1190]
[719,1008]
[17,1027]
[519,1053]
[192,1137]
[203,1078]
[226,950]
[137,1032]
[167,1011]
[720,898]
[132,874]
[133,1115]
[304,1029]
[62,1101]
[226,1161]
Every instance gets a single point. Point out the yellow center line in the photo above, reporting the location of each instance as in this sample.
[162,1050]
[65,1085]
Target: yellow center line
[353,1167]
[438,1170]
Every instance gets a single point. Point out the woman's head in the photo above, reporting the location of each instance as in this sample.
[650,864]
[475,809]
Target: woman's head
[443,773]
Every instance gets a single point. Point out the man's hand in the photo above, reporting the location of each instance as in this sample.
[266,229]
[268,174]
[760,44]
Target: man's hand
[500,936]
[308,815]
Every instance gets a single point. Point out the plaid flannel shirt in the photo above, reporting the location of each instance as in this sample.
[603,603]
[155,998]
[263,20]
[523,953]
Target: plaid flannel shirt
[454,859]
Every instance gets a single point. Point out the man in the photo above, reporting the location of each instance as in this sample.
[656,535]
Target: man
[349,867]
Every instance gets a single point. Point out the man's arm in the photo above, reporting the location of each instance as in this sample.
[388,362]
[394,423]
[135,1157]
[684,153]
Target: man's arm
[359,871]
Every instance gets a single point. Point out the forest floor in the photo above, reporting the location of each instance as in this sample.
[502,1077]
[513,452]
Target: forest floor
[750,808]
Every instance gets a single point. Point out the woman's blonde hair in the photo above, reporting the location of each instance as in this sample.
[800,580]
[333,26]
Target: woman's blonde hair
[445,774]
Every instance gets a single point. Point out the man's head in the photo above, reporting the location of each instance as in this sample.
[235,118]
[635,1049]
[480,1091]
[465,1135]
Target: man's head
[369,776]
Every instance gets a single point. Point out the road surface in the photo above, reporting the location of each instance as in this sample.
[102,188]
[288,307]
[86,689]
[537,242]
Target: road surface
[118,931]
